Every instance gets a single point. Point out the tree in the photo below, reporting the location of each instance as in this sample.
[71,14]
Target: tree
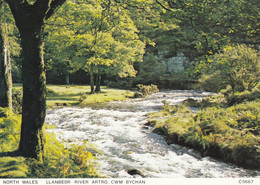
[237,66]
[30,17]
[5,60]
[216,23]
[101,40]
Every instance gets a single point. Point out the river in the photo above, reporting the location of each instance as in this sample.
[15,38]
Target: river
[118,130]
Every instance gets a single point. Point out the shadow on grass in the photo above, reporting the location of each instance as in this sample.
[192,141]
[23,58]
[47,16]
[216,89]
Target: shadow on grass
[10,154]
[12,165]
[63,97]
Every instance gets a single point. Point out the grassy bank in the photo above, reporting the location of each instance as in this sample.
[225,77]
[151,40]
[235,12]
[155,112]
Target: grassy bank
[69,95]
[225,130]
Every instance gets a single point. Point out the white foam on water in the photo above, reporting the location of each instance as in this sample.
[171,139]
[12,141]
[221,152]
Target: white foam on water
[125,144]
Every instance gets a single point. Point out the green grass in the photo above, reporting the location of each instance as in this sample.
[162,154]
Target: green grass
[66,95]
[227,132]
[106,95]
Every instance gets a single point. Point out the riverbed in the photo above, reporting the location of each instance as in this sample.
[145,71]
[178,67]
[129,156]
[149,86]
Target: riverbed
[128,148]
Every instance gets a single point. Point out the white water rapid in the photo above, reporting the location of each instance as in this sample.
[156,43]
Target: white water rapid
[117,129]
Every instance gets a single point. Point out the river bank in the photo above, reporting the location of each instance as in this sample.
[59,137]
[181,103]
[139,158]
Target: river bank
[118,129]
[218,129]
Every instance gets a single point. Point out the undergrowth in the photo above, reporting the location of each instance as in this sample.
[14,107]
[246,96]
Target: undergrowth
[74,161]
[71,161]
[219,129]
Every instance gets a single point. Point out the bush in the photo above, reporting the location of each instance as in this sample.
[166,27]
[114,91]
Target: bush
[237,66]
[211,82]
[240,97]
[147,89]
[175,80]
[83,97]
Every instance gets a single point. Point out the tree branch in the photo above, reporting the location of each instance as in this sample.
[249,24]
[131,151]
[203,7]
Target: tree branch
[54,5]
[164,7]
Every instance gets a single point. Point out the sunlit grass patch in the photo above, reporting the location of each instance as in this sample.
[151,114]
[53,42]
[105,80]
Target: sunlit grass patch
[64,95]
[105,96]
[69,95]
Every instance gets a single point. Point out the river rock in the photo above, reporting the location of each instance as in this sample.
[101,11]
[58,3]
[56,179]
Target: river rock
[135,172]
[138,95]
[194,153]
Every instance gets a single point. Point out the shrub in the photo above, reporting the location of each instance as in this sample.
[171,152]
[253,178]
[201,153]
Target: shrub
[237,66]
[240,97]
[147,89]
[211,82]
[83,97]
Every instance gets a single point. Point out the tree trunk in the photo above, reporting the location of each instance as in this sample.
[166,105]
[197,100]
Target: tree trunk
[30,22]
[5,69]
[98,83]
[34,94]
[92,83]
[67,79]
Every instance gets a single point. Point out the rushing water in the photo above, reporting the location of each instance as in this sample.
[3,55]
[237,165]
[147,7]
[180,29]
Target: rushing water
[118,130]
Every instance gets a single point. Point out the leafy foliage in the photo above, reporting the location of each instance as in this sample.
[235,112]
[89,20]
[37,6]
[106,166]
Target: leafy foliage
[97,42]
[237,66]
